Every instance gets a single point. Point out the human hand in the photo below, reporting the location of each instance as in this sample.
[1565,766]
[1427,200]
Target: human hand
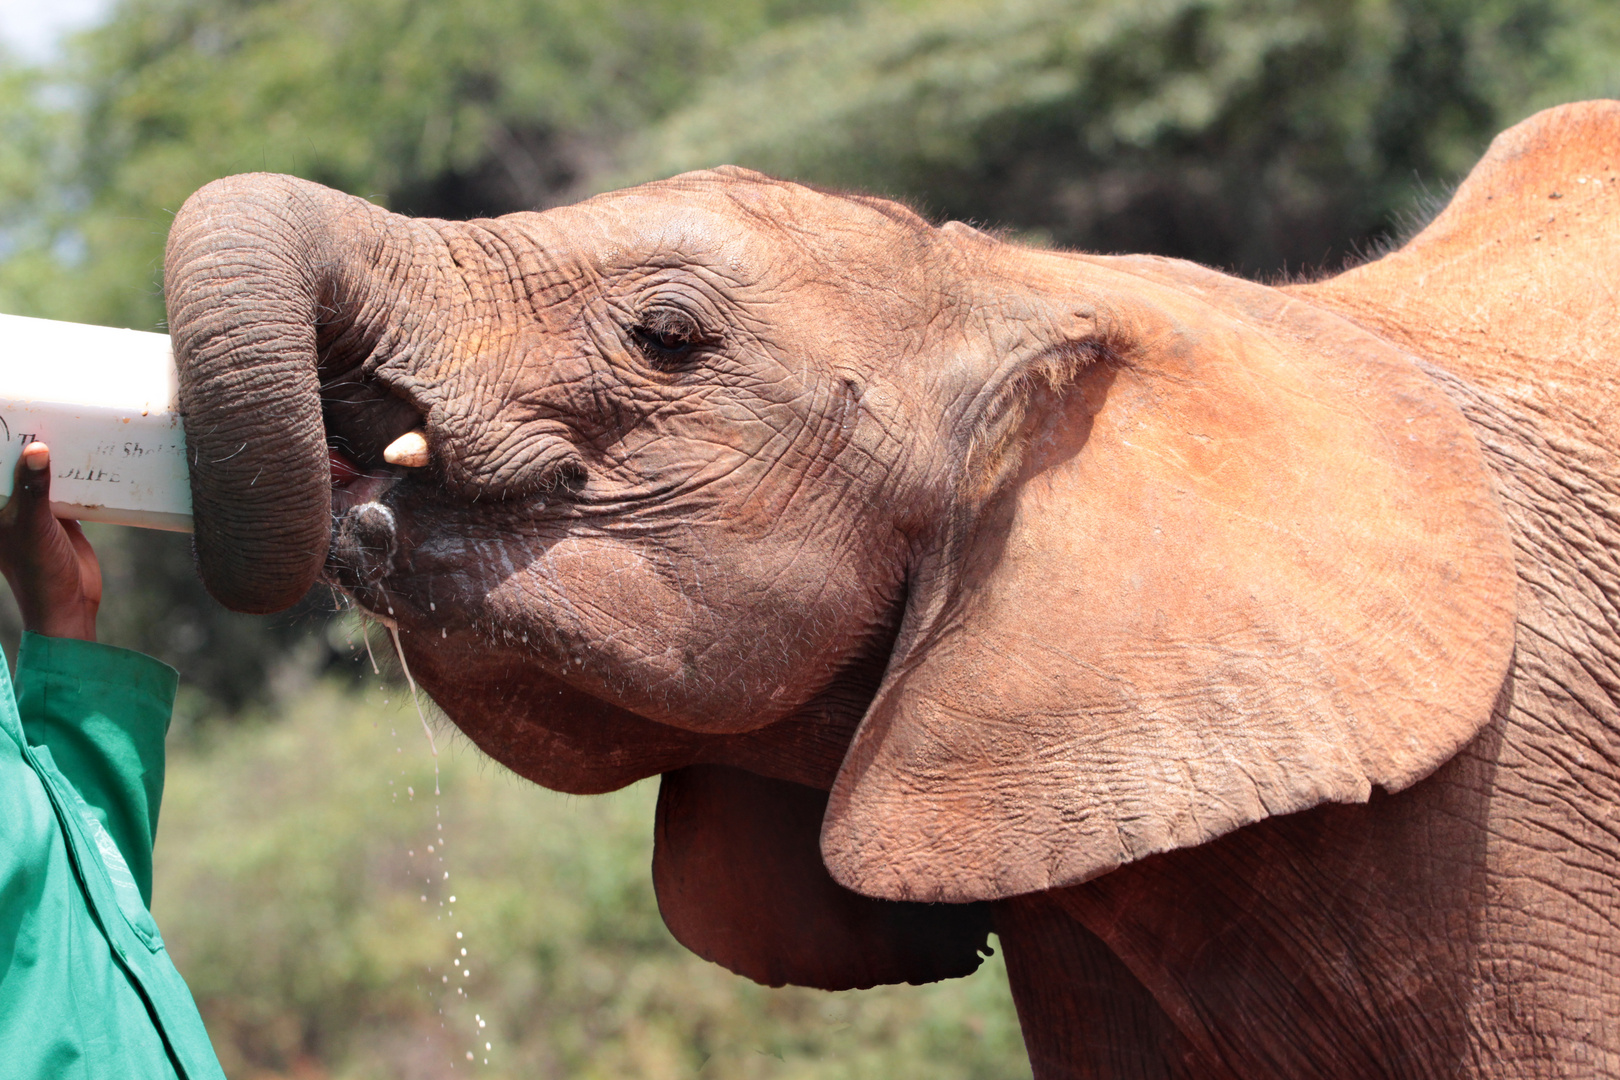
[48,563]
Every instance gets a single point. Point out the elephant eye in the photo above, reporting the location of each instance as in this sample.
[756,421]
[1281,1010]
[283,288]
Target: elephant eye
[667,338]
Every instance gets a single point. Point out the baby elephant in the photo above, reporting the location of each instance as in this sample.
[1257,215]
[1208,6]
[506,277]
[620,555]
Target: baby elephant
[1247,658]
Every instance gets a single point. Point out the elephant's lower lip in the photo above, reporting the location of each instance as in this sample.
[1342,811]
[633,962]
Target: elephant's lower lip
[363,538]
[368,489]
[364,543]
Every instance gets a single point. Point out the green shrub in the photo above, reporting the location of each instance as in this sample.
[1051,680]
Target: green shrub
[292,862]
[1260,135]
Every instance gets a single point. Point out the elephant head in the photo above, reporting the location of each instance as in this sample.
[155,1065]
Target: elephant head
[1038,563]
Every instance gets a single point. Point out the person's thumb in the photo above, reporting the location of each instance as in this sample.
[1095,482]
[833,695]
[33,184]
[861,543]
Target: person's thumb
[33,481]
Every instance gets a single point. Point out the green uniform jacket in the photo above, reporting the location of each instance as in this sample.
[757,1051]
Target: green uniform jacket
[87,989]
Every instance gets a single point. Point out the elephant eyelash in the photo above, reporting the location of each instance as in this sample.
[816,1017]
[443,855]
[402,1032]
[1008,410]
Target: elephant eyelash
[667,338]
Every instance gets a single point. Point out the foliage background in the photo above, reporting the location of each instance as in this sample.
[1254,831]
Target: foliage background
[297,891]
[1269,137]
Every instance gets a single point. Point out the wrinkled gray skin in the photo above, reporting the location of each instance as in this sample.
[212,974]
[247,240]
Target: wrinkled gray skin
[695,445]
[477,331]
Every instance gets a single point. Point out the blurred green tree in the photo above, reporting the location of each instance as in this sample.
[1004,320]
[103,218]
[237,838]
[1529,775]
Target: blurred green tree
[304,883]
[1257,135]
[455,110]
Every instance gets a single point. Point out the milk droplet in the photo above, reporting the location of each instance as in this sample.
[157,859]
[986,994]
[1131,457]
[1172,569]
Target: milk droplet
[443,632]
[465,972]
[463,951]
[432,606]
[486,1047]
[410,791]
[430,849]
[416,699]
[444,978]
[457,963]
[458,938]
[447,878]
[452,899]
[469,1055]
[424,898]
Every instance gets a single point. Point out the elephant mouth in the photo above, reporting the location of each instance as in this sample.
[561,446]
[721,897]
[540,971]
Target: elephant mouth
[364,539]
[353,484]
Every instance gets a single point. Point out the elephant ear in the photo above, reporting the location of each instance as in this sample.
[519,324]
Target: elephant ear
[1247,561]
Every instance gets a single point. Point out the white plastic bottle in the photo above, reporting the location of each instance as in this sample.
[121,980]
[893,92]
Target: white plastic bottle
[105,400]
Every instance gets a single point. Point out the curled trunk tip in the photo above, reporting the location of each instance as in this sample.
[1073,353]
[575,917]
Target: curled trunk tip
[249,264]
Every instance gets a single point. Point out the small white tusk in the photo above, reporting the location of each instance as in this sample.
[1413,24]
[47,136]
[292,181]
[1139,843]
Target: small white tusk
[409,450]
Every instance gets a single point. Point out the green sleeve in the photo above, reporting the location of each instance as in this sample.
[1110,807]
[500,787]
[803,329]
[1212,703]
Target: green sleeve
[103,712]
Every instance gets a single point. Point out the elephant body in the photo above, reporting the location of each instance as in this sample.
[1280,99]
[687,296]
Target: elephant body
[1247,658]
[1466,926]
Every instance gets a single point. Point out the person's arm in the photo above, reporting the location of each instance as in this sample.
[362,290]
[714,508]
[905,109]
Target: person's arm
[102,712]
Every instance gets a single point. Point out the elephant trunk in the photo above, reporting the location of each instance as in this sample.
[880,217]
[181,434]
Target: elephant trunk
[256,283]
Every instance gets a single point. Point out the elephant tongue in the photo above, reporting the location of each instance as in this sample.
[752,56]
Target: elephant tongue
[353,485]
[344,470]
